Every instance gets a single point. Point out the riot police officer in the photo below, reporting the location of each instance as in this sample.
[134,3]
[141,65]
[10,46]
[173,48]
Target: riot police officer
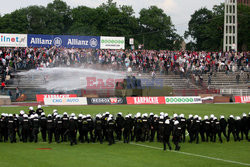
[58,129]
[85,128]
[231,128]
[98,128]
[176,135]
[12,127]
[43,126]
[119,125]
[110,130]
[39,110]
[166,134]
[35,125]
[50,127]
[25,128]
[183,125]
[72,130]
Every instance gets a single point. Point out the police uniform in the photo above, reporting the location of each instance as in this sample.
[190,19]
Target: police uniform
[58,130]
[25,129]
[11,125]
[119,126]
[50,127]
[110,130]
[98,129]
[166,135]
[72,131]
[85,129]
[35,131]
[43,125]
[176,136]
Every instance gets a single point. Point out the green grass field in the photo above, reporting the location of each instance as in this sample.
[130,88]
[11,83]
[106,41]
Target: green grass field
[228,154]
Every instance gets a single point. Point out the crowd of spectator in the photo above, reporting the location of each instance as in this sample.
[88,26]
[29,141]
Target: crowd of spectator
[183,63]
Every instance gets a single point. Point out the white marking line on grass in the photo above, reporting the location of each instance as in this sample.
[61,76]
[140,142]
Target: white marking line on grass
[196,155]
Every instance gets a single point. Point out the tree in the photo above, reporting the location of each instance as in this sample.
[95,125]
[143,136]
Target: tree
[15,22]
[156,29]
[85,21]
[36,17]
[243,27]
[206,28]
[58,17]
[197,27]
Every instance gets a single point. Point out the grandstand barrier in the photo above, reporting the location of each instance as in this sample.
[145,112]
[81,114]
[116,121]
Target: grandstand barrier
[5,100]
[208,98]
[194,92]
[242,99]
[41,97]
[221,99]
[65,101]
[108,100]
[235,92]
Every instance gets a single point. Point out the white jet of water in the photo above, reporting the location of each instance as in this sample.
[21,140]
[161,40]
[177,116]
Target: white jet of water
[66,79]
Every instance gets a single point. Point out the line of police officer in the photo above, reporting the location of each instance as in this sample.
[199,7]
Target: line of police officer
[103,127]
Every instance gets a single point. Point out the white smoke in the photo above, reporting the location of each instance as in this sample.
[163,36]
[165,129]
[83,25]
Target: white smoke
[65,79]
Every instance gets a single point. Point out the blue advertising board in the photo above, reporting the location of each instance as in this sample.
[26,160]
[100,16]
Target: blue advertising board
[66,41]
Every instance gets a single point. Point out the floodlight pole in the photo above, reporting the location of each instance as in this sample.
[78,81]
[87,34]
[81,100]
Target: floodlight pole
[230,26]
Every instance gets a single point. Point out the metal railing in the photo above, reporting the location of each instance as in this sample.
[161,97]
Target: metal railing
[235,92]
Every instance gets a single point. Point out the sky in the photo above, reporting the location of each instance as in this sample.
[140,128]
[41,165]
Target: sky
[179,10]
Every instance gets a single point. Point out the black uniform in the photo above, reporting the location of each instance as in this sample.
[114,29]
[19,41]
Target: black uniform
[58,130]
[127,130]
[244,128]
[91,127]
[25,129]
[190,123]
[98,130]
[119,125]
[183,124]
[223,126]
[39,111]
[3,129]
[237,129]
[196,129]
[79,126]
[110,130]
[145,129]
[50,128]
[138,129]
[177,136]
[216,130]
[72,131]
[31,112]
[166,135]
[12,127]
[65,122]
[19,130]
[161,126]
[35,131]
[231,129]
[85,129]
[43,125]
[207,129]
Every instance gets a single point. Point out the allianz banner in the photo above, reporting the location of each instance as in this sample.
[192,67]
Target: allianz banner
[110,100]
[13,40]
[66,41]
